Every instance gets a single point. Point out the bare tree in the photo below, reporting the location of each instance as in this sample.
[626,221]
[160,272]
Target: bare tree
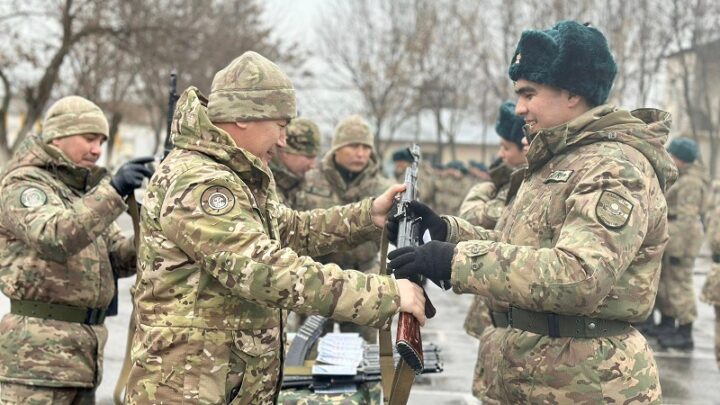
[365,43]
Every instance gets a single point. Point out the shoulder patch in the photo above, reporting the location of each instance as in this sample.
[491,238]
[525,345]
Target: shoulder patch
[559,176]
[217,200]
[33,197]
[613,210]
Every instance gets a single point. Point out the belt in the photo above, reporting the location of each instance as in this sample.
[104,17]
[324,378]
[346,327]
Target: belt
[554,325]
[58,312]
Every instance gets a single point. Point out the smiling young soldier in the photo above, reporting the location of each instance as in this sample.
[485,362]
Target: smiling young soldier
[221,258]
[59,248]
[578,256]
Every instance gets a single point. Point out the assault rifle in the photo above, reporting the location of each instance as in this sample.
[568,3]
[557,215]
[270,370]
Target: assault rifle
[408,341]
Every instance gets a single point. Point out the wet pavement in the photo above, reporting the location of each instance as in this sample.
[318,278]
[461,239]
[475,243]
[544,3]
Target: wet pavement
[686,377]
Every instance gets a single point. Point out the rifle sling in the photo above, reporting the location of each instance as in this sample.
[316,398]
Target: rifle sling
[387,364]
[402,383]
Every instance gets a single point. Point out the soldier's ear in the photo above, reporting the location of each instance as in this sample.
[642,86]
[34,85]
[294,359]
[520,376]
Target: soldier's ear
[241,125]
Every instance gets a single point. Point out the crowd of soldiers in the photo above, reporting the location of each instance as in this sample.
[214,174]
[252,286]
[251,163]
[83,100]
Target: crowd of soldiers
[565,240]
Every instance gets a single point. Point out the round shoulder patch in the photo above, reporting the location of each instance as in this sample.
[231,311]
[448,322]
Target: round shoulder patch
[217,200]
[33,197]
[613,210]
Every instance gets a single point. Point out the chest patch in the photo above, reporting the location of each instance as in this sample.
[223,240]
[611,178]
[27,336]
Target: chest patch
[33,197]
[559,176]
[612,210]
[217,200]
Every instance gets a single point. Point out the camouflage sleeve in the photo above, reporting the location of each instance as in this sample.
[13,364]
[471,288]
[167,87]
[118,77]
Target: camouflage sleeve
[322,231]
[121,249]
[53,229]
[596,244]
[231,243]
[460,230]
[474,207]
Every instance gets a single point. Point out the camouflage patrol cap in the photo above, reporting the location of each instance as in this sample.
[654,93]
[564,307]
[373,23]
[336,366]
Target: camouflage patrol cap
[303,137]
[73,115]
[251,88]
[352,129]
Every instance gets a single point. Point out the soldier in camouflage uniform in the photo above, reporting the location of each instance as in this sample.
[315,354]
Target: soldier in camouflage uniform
[483,207]
[293,161]
[220,257]
[451,188]
[687,202]
[59,248]
[577,257]
[348,173]
[711,290]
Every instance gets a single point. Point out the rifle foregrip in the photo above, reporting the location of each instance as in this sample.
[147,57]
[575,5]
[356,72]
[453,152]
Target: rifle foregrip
[409,342]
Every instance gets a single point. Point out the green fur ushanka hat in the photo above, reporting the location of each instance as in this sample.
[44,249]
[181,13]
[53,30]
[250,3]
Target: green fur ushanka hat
[569,56]
[510,126]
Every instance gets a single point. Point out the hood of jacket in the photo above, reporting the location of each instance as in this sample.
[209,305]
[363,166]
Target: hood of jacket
[33,152]
[192,130]
[645,130]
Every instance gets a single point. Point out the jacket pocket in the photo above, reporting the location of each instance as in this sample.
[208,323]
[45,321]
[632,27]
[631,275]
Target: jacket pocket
[257,354]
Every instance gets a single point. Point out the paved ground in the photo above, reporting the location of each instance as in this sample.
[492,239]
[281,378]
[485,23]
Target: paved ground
[686,378]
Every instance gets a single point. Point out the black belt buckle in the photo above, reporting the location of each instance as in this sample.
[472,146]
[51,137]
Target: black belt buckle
[94,316]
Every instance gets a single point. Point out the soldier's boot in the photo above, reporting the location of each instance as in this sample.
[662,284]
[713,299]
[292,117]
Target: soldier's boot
[666,326]
[681,339]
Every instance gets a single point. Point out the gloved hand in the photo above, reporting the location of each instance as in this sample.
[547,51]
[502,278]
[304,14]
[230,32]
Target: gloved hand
[130,175]
[430,221]
[432,260]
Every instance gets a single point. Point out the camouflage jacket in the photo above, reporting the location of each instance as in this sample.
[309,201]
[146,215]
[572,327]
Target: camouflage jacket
[584,236]
[450,192]
[486,201]
[220,258]
[324,187]
[687,202]
[58,244]
[287,184]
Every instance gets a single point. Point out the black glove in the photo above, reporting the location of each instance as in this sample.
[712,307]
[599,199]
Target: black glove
[130,175]
[432,260]
[429,221]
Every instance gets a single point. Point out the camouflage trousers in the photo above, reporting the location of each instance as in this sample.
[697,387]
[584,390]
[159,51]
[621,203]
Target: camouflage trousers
[12,394]
[485,370]
[537,369]
[676,293]
[367,394]
[478,317]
